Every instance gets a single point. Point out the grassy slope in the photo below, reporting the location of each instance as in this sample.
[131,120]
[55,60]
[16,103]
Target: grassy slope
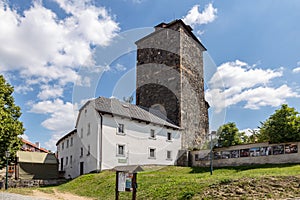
[277,181]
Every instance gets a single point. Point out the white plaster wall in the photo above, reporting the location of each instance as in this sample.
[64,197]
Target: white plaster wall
[89,115]
[137,143]
[71,169]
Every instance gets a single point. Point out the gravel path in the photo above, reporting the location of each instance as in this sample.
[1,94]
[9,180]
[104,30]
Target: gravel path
[11,196]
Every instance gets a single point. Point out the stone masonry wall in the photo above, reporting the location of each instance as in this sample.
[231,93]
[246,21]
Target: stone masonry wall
[158,74]
[170,74]
[194,113]
[235,155]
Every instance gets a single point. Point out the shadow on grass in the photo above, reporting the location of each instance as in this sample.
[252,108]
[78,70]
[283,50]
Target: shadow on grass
[241,168]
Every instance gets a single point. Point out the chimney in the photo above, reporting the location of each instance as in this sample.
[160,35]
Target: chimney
[37,144]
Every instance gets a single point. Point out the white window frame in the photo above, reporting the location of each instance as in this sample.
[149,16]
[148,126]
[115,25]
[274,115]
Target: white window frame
[169,139]
[89,129]
[122,132]
[118,150]
[152,134]
[151,149]
[67,160]
[169,155]
[88,150]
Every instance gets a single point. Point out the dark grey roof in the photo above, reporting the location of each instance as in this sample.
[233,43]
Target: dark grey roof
[115,107]
[65,136]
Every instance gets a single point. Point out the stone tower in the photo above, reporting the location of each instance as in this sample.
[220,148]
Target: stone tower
[170,79]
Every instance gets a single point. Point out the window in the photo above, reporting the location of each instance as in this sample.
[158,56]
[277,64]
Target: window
[152,134]
[81,152]
[151,153]
[71,160]
[62,146]
[71,143]
[67,143]
[89,150]
[89,129]
[81,132]
[121,128]
[67,159]
[169,136]
[169,155]
[121,150]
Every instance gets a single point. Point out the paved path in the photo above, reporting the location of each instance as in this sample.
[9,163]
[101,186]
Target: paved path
[11,196]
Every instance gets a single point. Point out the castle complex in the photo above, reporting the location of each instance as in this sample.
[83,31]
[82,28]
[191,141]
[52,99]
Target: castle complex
[170,79]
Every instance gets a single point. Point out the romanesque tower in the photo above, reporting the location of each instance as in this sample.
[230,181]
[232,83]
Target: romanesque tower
[170,79]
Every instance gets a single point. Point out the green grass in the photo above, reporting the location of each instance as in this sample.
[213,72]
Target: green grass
[186,182]
[172,182]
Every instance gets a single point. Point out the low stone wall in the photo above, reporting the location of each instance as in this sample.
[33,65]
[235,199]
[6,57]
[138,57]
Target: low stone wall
[250,154]
[34,183]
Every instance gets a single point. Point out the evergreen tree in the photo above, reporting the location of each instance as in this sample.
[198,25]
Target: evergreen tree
[10,126]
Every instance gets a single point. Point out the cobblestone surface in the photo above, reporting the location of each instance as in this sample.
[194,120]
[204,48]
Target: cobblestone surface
[10,196]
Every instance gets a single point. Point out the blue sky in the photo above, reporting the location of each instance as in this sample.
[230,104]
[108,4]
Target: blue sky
[59,53]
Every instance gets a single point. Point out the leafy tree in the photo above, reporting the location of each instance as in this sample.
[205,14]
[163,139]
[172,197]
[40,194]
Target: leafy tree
[282,126]
[229,135]
[10,126]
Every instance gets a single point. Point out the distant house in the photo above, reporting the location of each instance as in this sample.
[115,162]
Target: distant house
[33,162]
[36,165]
[110,133]
[28,146]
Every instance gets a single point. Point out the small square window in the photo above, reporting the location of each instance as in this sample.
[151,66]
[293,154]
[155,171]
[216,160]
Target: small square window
[169,136]
[169,155]
[67,159]
[89,129]
[152,153]
[152,134]
[121,128]
[71,159]
[121,150]
[81,152]
[89,150]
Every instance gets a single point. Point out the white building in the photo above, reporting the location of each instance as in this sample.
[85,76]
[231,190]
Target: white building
[110,133]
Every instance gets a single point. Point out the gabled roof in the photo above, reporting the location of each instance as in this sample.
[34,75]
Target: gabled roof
[115,107]
[36,157]
[65,136]
[34,145]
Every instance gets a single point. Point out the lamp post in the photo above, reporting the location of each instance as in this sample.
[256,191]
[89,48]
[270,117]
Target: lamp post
[7,154]
[211,152]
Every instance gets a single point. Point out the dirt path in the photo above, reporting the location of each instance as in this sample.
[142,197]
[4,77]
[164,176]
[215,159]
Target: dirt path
[58,195]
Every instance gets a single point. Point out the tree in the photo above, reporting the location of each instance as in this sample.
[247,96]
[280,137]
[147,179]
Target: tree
[10,126]
[229,135]
[282,126]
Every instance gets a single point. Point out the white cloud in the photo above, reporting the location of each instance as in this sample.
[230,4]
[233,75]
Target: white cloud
[236,82]
[120,67]
[50,92]
[296,70]
[194,17]
[61,118]
[44,48]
